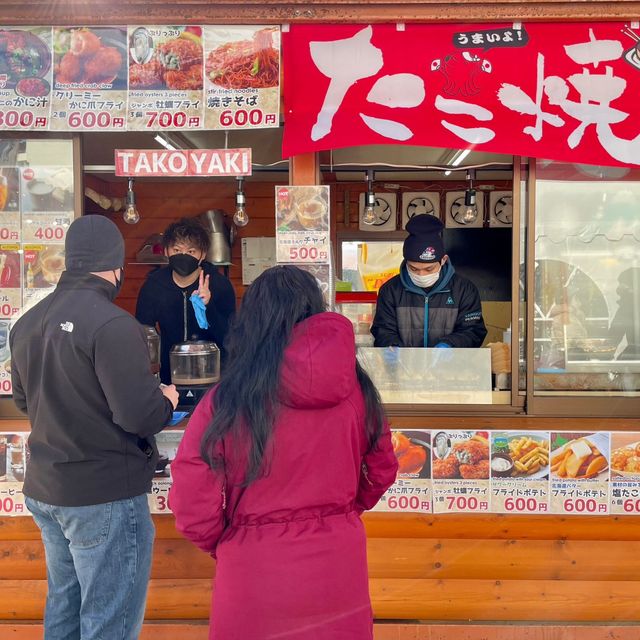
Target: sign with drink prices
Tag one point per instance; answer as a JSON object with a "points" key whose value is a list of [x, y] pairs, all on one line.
{"points": [[460, 471], [625, 473], [180, 163], [43, 265], [167, 442], [9, 204], [13, 461], [165, 78], [242, 77], [46, 227], [302, 224], [89, 79], [519, 472], [579, 464], [25, 78], [10, 280]]}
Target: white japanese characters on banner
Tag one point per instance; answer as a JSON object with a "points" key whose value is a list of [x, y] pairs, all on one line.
{"points": [[242, 77], [302, 224], [564, 91]]}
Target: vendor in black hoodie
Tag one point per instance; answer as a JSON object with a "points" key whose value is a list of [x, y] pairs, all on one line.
{"points": [[165, 300], [427, 304]]}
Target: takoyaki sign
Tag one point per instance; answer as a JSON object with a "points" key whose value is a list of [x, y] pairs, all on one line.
{"points": [[565, 91], [148, 163]]}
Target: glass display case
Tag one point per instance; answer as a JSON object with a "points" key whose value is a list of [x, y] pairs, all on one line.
{"points": [[430, 376], [586, 280]]}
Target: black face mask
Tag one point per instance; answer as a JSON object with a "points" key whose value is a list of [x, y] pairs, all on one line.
{"points": [[118, 285], [183, 264]]}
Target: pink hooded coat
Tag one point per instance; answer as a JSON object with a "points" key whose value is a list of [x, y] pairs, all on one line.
{"points": [[290, 547]]}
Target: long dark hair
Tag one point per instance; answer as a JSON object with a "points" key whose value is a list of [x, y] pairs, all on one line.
{"points": [[247, 396]]}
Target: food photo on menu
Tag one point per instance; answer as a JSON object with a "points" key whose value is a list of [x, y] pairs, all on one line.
{"points": [[302, 209], [25, 61], [90, 58], [579, 456], [520, 455], [413, 451], [172, 61], [47, 189], [43, 266], [9, 190], [625, 456], [464, 458], [244, 63]]}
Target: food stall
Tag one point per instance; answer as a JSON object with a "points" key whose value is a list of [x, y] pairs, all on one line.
{"points": [[516, 514]]}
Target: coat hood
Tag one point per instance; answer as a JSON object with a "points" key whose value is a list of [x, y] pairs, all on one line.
{"points": [[319, 365]]}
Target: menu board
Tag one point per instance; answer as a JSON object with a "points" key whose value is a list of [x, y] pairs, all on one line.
{"points": [[25, 78], [139, 78], [242, 77], [302, 224], [89, 79], [36, 209], [449, 471]]}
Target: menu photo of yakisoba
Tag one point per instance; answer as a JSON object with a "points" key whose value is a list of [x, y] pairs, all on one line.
{"points": [[466, 458], [579, 456], [520, 455]]}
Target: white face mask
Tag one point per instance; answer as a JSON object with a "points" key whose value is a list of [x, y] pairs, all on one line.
{"points": [[424, 282]]}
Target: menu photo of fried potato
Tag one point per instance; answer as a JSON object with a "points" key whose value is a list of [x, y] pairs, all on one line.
{"points": [[625, 456], [412, 449], [466, 457], [579, 456], [520, 455]]}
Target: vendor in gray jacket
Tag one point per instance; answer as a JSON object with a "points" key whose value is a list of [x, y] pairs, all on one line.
{"points": [[427, 304]]}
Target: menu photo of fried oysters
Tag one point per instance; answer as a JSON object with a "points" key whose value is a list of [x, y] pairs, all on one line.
{"points": [[412, 451], [461, 455]]}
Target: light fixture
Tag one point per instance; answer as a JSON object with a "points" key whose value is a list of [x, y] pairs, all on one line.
{"points": [[165, 142], [240, 217], [369, 214], [457, 158], [470, 213], [131, 215]]}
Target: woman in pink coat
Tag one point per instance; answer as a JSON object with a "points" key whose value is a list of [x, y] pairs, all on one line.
{"points": [[276, 466]]}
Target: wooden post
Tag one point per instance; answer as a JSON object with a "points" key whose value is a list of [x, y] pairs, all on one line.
{"points": [[304, 169]]}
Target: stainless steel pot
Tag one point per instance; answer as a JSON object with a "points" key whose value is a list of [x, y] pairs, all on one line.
{"points": [[194, 363]]}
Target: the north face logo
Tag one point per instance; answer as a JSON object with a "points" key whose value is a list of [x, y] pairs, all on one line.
{"points": [[450, 300], [67, 326], [428, 254]]}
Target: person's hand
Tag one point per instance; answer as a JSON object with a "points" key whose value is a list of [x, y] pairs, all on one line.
{"points": [[442, 345], [203, 288], [170, 392]]}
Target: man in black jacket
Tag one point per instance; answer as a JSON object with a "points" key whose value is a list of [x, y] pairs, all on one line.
{"points": [[427, 304], [168, 297], [81, 372]]}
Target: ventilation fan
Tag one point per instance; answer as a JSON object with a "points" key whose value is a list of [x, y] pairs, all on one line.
{"points": [[415, 203], [385, 212], [500, 209], [456, 209]]}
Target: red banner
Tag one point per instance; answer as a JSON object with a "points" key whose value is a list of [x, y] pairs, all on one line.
{"points": [[558, 91], [190, 162]]}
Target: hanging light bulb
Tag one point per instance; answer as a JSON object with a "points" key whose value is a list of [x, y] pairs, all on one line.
{"points": [[131, 215], [369, 213], [470, 212], [240, 217]]}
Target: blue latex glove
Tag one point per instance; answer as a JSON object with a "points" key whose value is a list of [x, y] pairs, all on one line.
{"points": [[442, 345], [200, 309], [390, 355], [177, 418]]}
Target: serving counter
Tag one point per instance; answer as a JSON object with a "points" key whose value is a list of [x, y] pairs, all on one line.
{"points": [[436, 577]]}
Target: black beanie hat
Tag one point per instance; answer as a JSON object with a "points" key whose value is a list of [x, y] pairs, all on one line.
{"points": [[424, 243], [93, 243]]}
